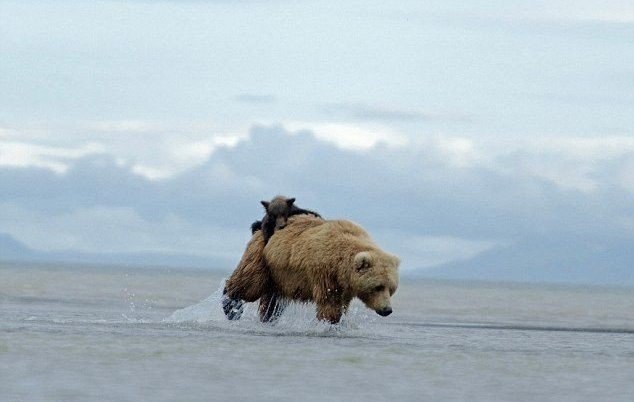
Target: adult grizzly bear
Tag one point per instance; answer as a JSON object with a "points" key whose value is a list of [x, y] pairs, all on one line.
{"points": [[326, 261]]}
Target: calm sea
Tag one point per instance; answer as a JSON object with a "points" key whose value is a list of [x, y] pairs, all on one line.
{"points": [[72, 333]]}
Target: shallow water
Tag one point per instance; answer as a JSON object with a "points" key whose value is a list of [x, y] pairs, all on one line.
{"points": [[72, 333]]}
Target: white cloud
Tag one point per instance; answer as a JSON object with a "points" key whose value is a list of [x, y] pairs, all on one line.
{"points": [[180, 155], [125, 126], [151, 173], [608, 11], [612, 11], [351, 136], [571, 163], [153, 150], [458, 152], [24, 155], [158, 150]]}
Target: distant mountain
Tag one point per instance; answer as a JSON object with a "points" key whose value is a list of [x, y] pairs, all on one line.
{"points": [[13, 250], [532, 260], [573, 261]]}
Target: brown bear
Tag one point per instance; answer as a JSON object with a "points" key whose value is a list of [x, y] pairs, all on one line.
{"points": [[326, 261]]}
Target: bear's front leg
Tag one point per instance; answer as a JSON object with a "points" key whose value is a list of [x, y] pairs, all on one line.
{"points": [[328, 297], [329, 312]]}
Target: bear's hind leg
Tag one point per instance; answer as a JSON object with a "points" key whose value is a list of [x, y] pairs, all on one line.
{"points": [[248, 282], [232, 308]]}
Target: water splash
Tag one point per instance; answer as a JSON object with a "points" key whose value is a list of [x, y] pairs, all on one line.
{"points": [[203, 311], [297, 319]]}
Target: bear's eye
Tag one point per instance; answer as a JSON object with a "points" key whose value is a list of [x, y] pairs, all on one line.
{"points": [[379, 288]]}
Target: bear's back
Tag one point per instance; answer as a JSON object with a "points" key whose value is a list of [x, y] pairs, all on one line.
{"points": [[308, 243]]}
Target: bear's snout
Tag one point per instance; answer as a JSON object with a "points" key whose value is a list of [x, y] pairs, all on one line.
{"points": [[385, 311]]}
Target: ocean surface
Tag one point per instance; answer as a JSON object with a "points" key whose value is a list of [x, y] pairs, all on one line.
{"points": [[74, 333]]}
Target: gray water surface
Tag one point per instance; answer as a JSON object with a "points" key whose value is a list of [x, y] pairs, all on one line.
{"points": [[70, 333]]}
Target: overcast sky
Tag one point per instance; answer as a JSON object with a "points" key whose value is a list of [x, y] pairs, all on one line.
{"points": [[445, 129]]}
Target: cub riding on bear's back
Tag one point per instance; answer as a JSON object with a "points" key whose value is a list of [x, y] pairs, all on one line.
{"points": [[278, 210], [308, 258]]}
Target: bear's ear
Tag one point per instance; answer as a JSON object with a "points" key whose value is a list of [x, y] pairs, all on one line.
{"points": [[290, 201], [395, 260], [362, 261], [265, 204]]}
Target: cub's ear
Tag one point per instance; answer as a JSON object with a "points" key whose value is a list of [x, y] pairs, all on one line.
{"points": [[290, 201], [362, 261], [265, 204]]}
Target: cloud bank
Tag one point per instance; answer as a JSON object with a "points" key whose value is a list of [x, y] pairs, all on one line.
{"points": [[432, 199]]}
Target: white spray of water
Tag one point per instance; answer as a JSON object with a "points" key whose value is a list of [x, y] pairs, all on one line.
{"points": [[297, 318]]}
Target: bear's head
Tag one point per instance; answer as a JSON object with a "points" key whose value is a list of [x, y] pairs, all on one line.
{"points": [[375, 279]]}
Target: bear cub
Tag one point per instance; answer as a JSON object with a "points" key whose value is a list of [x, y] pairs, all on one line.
{"points": [[278, 210]]}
